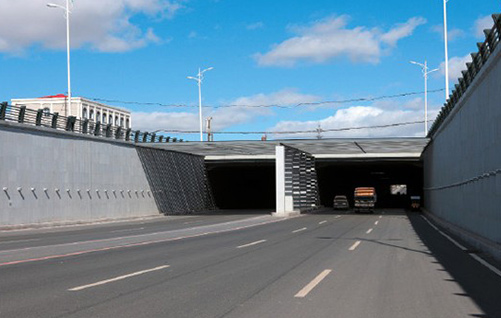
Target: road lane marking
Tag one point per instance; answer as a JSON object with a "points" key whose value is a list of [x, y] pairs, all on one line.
{"points": [[300, 230], [107, 281], [380, 216], [308, 288], [127, 230], [369, 231], [376, 223], [354, 246], [338, 216], [464, 249], [18, 241], [322, 222], [250, 244]]}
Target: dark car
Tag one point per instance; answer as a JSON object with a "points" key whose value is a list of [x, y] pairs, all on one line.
{"points": [[341, 202]]}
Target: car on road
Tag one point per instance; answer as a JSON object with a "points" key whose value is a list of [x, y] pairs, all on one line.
{"points": [[341, 202]]}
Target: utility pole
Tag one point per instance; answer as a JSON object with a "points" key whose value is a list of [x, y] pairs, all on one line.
{"points": [[424, 68], [199, 78], [210, 136]]}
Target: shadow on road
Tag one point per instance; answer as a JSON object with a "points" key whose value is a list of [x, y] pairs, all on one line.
{"points": [[479, 283]]}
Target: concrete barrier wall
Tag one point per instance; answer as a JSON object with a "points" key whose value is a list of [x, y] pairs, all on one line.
{"points": [[462, 163], [73, 177]]}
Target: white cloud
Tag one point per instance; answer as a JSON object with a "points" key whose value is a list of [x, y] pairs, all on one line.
{"points": [[481, 24], [330, 38], [452, 34], [456, 65], [255, 26], [363, 116], [103, 25]]}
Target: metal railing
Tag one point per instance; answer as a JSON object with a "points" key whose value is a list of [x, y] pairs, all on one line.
{"points": [[485, 50], [42, 118]]}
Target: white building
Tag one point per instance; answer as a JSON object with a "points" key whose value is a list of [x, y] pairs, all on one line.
{"points": [[81, 108]]}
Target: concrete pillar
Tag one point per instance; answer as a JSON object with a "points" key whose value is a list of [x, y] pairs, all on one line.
{"points": [[284, 201]]}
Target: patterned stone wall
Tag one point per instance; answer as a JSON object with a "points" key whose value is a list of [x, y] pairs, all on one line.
{"points": [[178, 181], [301, 179]]}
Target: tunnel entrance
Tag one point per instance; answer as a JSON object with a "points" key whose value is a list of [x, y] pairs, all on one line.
{"points": [[341, 178], [243, 185]]}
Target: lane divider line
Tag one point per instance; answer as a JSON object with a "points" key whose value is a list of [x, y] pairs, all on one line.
{"points": [[369, 231], [322, 222], [376, 223], [107, 281], [380, 216], [127, 230], [337, 216], [300, 230], [355, 245], [19, 241], [251, 244], [308, 288], [464, 249]]}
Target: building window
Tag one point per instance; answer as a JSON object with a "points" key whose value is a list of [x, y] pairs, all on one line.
{"points": [[91, 114], [116, 120], [98, 116], [121, 122], [46, 111], [84, 113], [110, 119], [127, 123], [104, 118]]}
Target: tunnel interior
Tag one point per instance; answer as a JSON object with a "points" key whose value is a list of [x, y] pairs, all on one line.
{"points": [[342, 178], [244, 186]]}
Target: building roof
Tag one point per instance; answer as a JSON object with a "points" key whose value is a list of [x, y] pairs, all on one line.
{"points": [[55, 96], [328, 149]]}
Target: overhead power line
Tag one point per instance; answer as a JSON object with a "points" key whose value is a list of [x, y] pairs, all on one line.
{"points": [[288, 106], [311, 131]]}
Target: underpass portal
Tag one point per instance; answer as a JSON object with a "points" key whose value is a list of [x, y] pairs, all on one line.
{"points": [[405, 179]]}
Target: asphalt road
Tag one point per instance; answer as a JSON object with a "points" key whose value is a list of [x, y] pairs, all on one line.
{"points": [[322, 265]]}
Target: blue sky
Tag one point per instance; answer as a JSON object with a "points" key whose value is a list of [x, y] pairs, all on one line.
{"points": [[263, 53]]}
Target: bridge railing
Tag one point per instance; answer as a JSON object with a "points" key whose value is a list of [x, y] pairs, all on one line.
{"points": [[43, 118], [479, 59]]}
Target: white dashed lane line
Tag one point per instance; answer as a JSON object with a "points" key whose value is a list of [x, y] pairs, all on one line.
{"points": [[322, 222], [308, 288], [300, 230], [111, 280], [355, 245], [368, 231], [251, 244]]}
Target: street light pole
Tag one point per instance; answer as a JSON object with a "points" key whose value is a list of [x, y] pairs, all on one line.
{"points": [[199, 78], [446, 52], [67, 15], [424, 68]]}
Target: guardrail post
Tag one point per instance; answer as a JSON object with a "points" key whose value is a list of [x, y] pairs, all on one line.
{"points": [[161, 138], [38, 120], [136, 136], [145, 136], [153, 136], [489, 39], [167, 139], [118, 133], [55, 117], [127, 134], [3, 110], [21, 115], [70, 123], [97, 129], [108, 131], [85, 126], [174, 139]]}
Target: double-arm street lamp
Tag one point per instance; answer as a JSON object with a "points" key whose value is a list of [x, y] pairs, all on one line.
{"points": [[424, 68], [199, 78], [446, 53], [67, 15]]}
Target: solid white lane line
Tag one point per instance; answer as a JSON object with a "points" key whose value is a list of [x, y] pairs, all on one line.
{"points": [[308, 288], [463, 248], [118, 278], [445, 235], [250, 244], [299, 230], [127, 230], [18, 241], [354, 246], [322, 222], [376, 223], [368, 231]]}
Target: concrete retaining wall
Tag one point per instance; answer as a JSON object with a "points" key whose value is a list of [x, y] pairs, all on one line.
{"points": [[462, 164], [73, 177]]}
